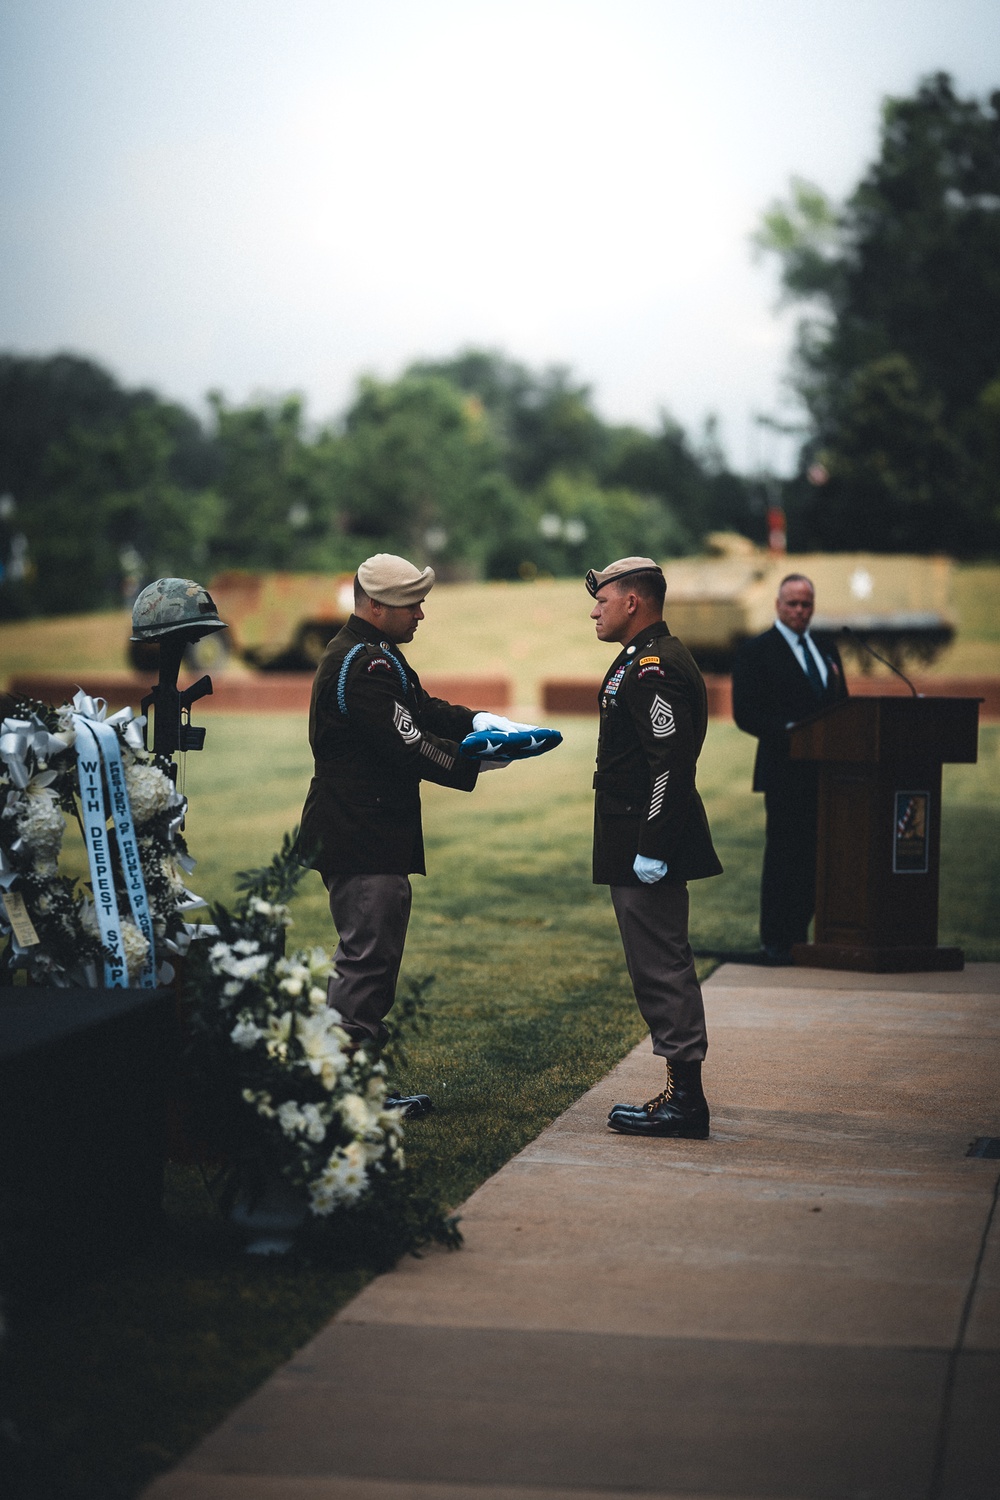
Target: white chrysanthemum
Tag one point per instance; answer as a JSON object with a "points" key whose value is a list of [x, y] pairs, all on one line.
{"points": [[246, 1033], [343, 1180], [149, 791], [304, 1119], [136, 948], [41, 825], [290, 1117], [174, 877]]}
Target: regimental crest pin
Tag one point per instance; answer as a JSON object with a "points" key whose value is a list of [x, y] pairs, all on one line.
{"points": [[661, 716], [404, 723]]}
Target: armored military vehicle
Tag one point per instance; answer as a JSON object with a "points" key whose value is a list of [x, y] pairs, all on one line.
{"points": [[277, 622], [900, 605]]}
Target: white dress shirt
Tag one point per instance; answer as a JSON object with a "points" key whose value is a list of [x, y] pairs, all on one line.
{"points": [[800, 644]]}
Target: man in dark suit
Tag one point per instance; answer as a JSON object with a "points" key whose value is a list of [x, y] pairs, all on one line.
{"points": [[779, 678]]}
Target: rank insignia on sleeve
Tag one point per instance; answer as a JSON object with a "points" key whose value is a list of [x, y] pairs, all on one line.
{"points": [[404, 723], [661, 717], [649, 661]]}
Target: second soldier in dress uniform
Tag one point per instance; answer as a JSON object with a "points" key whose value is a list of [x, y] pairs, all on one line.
{"points": [[651, 835], [375, 735]]}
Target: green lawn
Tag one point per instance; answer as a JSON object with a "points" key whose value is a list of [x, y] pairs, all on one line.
{"points": [[113, 1380]]}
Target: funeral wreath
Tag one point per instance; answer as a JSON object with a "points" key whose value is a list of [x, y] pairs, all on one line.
{"points": [[126, 925], [270, 1086]]}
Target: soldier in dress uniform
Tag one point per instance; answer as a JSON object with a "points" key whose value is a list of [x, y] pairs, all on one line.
{"points": [[375, 735], [651, 835]]}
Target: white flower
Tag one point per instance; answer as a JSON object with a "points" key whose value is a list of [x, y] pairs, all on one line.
{"points": [[321, 1039], [306, 1119], [135, 947], [246, 1033], [149, 791], [343, 1180], [276, 913], [290, 1117], [173, 877], [223, 960], [357, 1115], [278, 1033], [296, 976], [41, 825]]}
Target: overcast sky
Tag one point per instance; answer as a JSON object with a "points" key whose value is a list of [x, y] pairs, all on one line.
{"points": [[267, 195]]}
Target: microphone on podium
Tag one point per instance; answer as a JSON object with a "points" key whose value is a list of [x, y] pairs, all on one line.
{"points": [[860, 640]]}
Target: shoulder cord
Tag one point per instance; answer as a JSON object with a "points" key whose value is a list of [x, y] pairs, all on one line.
{"points": [[397, 664], [345, 668]]}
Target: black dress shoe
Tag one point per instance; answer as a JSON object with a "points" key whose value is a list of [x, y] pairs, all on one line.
{"points": [[680, 1110], [414, 1106]]}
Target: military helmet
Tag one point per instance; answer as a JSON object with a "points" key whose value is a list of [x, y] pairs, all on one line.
{"points": [[172, 605]]}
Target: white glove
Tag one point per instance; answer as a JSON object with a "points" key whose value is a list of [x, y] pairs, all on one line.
{"points": [[497, 721], [648, 870]]}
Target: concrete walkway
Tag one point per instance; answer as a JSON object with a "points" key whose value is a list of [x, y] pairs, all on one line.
{"points": [[804, 1307]]}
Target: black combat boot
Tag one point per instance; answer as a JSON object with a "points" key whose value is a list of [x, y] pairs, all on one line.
{"points": [[413, 1106], [680, 1110]]}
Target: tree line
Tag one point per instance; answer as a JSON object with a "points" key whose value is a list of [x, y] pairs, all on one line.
{"points": [[476, 464], [489, 469]]}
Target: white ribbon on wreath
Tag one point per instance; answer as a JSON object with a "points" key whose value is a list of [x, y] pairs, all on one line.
{"points": [[26, 747]]}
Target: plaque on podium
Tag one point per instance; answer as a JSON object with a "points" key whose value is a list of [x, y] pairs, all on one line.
{"points": [[879, 834]]}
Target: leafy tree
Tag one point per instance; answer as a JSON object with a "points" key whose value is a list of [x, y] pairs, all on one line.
{"points": [[111, 512], [104, 481], [419, 473], [540, 422], [277, 487], [570, 520], [904, 280]]}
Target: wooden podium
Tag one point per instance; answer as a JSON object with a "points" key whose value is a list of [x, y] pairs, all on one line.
{"points": [[880, 829]]}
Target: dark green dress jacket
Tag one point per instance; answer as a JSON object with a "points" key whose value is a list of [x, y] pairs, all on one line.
{"points": [[654, 715], [375, 735]]}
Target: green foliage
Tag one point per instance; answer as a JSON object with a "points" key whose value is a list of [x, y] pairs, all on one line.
{"points": [[462, 463], [897, 365], [277, 487], [419, 471]]}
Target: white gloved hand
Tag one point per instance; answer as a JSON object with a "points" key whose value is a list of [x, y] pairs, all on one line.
{"points": [[497, 721], [649, 870]]}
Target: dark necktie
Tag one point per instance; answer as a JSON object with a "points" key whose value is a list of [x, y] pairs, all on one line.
{"points": [[812, 670]]}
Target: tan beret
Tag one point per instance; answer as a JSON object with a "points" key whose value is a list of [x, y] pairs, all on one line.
{"points": [[623, 568], [394, 581]]}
